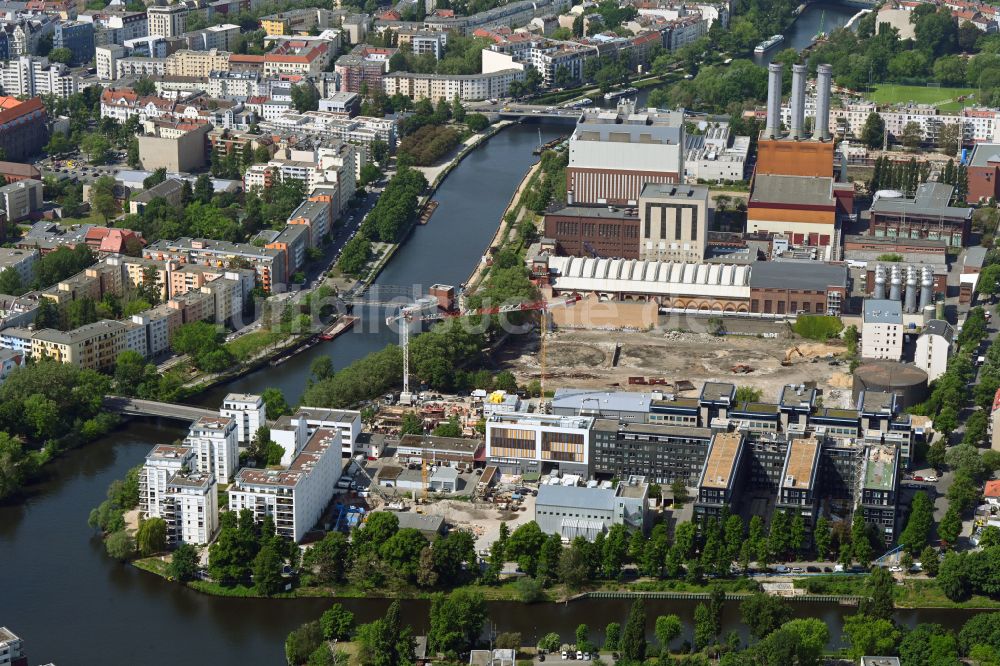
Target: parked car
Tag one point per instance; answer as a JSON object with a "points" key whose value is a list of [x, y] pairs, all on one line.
{"points": [[931, 479], [579, 655], [812, 569], [564, 654], [541, 656], [827, 570], [918, 478], [797, 570], [896, 569]]}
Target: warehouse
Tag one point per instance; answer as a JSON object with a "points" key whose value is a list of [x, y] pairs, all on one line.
{"points": [[572, 511], [449, 451]]}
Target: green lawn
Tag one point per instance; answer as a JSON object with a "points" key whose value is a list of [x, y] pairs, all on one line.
{"points": [[890, 93], [245, 346]]}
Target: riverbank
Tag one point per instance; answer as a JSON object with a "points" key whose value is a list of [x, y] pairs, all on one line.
{"points": [[912, 595]]}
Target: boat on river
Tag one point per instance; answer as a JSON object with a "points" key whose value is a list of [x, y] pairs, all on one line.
{"points": [[769, 44], [618, 94], [336, 328]]}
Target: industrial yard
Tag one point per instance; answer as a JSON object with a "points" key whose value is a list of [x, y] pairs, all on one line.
{"points": [[585, 359]]}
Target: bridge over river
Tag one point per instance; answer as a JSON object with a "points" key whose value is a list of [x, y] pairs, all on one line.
{"points": [[167, 410]]}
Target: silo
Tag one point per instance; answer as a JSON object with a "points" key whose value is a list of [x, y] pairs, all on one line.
{"points": [[879, 282], [911, 289], [926, 287], [896, 285], [939, 309]]}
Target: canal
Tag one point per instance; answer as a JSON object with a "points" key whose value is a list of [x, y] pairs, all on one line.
{"points": [[472, 199], [74, 606]]}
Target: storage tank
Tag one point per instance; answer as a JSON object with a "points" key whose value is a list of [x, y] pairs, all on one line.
{"points": [[908, 382], [896, 285], [911, 289], [926, 287], [939, 309], [879, 282]]}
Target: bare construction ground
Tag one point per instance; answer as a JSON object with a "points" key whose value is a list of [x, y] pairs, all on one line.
{"points": [[583, 359], [482, 519]]}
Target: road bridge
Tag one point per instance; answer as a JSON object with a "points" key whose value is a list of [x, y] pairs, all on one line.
{"points": [[168, 410]]}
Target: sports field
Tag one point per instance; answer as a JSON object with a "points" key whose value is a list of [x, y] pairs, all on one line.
{"points": [[890, 93]]}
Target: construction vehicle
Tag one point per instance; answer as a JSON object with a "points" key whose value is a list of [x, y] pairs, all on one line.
{"points": [[419, 312], [791, 352]]}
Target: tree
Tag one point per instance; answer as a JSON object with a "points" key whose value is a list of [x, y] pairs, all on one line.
{"points": [[822, 538], [96, 146], [667, 629], [456, 620], [918, 526], [953, 578], [582, 636], [948, 138], [267, 578], [870, 636], [305, 97], [510, 640], [929, 644], [275, 403], [102, 197], [449, 428], [873, 132], [951, 525], [929, 561], [748, 394], [549, 642], [612, 636], [763, 614], [183, 563], [633, 643], [861, 546], [879, 588], [704, 627], [10, 282], [912, 135], [151, 537], [337, 623], [524, 546], [679, 491], [120, 545], [302, 642], [936, 452]]}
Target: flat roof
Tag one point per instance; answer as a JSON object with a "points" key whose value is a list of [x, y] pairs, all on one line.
{"points": [[877, 401], [931, 200], [717, 392], [805, 274], [674, 191], [880, 467], [596, 211], [576, 497], [419, 521], [800, 464], [620, 401], [883, 311], [721, 462], [797, 395], [801, 190], [667, 430], [191, 480], [984, 153], [433, 442]]}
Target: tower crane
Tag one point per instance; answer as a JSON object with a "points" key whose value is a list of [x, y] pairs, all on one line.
{"points": [[419, 312]]}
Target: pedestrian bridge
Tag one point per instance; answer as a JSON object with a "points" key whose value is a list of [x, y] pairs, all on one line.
{"points": [[167, 410]]}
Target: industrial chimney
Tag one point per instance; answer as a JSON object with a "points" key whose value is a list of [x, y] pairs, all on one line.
{"points": [[824, 81], [895, 285], [926, 287], [773, 128], [798, 101], [879, 282], [911, 289]]}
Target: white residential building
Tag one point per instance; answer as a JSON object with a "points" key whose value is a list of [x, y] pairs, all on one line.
{"points": [[294, 497], [934, 347], [882, 329], [186, 500], [249, 412], [11, 648], [216, 447], [106, 58], [28, 76], [467, 87]]}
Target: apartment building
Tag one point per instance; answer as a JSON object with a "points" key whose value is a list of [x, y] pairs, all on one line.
{"points": [[798, 488], [21, 261], [934, 348], [882, 329], [267, 263], [27, 76], [249, 412], [11, 649], [466, 87], [116, 28], [186, 500], [19, 200], [197, 63], [216, 446], [360, 130], [663, 453], [78, 37], [159, 324], [106, 61], [363, 66], [297, 57], [296, 496], [221, 37], [293, 431], [167, 20], [93, 346]]}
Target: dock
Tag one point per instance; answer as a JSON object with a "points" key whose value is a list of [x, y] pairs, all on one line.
{"points": [[425, 214], [342, 324], [549, 146]]}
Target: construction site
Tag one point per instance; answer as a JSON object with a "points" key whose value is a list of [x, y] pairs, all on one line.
{"points": [[631, 360]]}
